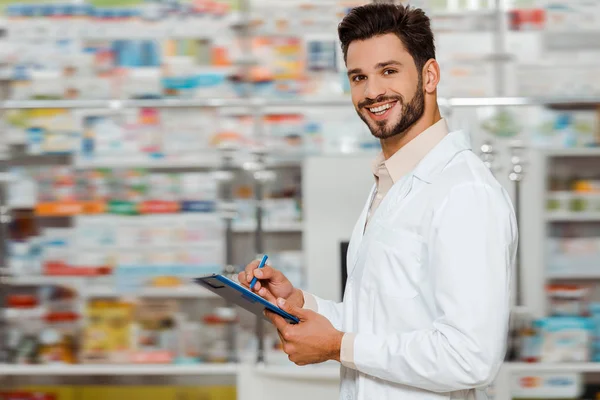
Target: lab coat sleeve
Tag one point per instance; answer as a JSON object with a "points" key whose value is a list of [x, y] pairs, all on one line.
{"points": [[329, 309], [471, 252]]}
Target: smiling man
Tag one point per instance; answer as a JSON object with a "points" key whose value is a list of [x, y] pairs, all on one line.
{"points": [[427, 300]]}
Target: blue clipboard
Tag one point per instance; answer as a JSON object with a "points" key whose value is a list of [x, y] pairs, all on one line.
{"points": [[238, 294]]}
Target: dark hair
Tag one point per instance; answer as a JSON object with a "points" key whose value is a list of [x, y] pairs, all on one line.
{"points": [[411, 25]]}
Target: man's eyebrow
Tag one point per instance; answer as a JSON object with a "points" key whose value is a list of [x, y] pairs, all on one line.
{"points": [[387, 64], [354, 71], [377, 66]]}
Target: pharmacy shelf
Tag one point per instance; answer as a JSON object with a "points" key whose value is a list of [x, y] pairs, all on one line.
{"points": [[463, 13], [43, 280], [207, 160], [292, 372], [554, 367], [113, 370], [573, 216], [335, 100], [250, 227], [88, 288], [573, 152], [14, 314], [558, 102], [573, 276], [182, 292], [116, 104]]}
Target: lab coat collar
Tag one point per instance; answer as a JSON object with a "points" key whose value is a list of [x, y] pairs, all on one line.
{"points": [[435, 161]]}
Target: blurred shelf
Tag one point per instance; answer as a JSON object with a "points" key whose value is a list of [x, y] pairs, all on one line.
{"points": [[45, 280], [555, 367], [50, 104], [182, 292], [204, 161], [555, 102], [573, 216], [307, 101], [113, 369], [115, 104], [88, 288], [573, 276], [463, 13], [21, 159], [23, 314], [293, 372], [250, 227], [208, 160], [150, 246], [573, 152]]}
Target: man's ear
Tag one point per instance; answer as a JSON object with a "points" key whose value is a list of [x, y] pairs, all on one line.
{"points": [[431, 76]]}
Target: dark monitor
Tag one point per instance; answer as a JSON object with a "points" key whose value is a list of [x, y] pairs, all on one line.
{"points": [[344, 269]]}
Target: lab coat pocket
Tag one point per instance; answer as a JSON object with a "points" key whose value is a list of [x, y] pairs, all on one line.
{"points": [[395, 257]]}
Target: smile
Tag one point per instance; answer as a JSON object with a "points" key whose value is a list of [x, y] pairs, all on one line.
{"points": [[382, 109]]}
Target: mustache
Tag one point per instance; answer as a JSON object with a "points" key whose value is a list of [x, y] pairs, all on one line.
{"points": [[380, 99]]}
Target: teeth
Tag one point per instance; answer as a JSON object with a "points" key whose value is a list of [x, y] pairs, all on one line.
{"points": [[381, 108]]}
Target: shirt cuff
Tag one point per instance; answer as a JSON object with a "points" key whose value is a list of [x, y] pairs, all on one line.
{"points": [[310, 303], [347, 351]]}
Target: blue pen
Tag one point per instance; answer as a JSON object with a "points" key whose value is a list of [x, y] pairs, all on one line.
{"points": [[262, 264]]}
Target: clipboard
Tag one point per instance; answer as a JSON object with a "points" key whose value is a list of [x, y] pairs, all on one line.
{"points": [[238, 294]]}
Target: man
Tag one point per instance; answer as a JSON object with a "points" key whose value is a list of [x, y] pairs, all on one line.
{"points": [[427, 301]]}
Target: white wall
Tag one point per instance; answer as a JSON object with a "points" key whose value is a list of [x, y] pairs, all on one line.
{"points": [[335, 190]]}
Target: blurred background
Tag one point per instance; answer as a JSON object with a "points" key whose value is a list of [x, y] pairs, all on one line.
{"points": [[147, 142]]}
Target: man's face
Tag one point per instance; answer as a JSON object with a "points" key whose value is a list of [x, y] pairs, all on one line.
{"points": [[387, 90]]}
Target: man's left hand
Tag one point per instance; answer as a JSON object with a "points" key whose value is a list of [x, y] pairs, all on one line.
{"points": [[313, 340]]}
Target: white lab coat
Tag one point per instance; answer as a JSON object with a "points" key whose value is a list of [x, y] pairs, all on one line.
{"points": [[428, 287]]}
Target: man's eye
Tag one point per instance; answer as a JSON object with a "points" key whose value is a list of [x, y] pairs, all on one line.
{"points": [[358, 78], [389, 71]]}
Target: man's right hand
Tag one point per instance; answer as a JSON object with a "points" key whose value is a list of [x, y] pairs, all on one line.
{"points": [[271, 284]]}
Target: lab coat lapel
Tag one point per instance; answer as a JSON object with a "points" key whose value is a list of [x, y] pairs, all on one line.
{"points": [[360, 236], [428, 168], [358, 233], [399, 191]]}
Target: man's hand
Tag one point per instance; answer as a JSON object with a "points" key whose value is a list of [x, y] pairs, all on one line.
{"points": [[314, 340], [271, 284]]}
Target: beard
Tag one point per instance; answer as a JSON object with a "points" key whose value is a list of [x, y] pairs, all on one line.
{"points": [[410, 114]]}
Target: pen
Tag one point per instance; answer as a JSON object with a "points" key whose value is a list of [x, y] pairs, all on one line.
{"points": [[262, 264]]}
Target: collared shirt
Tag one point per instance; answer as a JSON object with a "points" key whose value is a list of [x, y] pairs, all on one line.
{"points": [[388, 172]]}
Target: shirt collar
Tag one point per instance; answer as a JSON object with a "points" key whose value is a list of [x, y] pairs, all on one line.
{"points": [[409, 156]]}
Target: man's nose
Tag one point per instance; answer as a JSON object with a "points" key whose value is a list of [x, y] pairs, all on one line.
{"points": [[374, 88]]}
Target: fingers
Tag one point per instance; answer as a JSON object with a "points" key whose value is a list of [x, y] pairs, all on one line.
{"points": [[279, 322], [246, 276], [267, 295], [252, 270], [292, 309], [266, 273], [242, 279]]}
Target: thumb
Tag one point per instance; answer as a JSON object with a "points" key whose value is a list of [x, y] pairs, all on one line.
{"points": [[291, 309]]}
